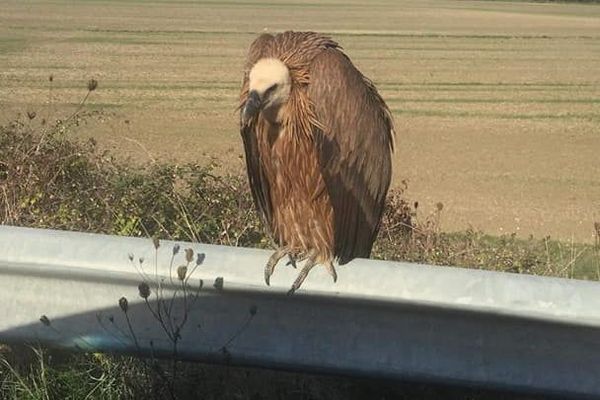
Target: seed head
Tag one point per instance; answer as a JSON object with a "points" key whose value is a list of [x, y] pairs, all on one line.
{"points": [[92, 85], [175, 249], [144, 290], [155, 242], [124, 304], [200, 258], [31, 114], [51, 78], [189, 255], [181, 272], [439, 206], [218, 283]]}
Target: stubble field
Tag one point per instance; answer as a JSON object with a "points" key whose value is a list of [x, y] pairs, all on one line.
{"points": [[497, 104]]}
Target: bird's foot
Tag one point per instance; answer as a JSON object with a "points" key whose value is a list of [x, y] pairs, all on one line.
{"points": [[310, 263], [273, 260]]}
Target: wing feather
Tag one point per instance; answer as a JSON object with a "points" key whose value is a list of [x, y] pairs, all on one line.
{"points": [[354, 146], [259, 185]]}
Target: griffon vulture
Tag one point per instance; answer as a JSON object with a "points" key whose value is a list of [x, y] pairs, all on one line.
{"points": [[318, 140]]}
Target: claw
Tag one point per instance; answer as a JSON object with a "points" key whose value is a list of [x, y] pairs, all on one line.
{"points": [[273, 260], [292, 261], [304, 272], [331, 270], [295, 259]]}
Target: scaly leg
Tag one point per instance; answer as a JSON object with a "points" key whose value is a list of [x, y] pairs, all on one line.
{"points": [[273, 260], [310, 263]]}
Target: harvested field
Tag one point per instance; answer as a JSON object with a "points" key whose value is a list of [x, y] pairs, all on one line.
{"points": [[497, 104]]}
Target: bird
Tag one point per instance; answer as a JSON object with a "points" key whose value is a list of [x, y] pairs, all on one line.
{"points": [[318, 141]]}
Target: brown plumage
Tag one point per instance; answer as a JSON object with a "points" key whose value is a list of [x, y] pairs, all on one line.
{"points": [[318, 140]]}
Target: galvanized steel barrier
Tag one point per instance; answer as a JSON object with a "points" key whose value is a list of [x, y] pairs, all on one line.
{"points": [[381, 319]]}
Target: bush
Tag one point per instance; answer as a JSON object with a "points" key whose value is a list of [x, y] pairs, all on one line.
{"points": [[49, 181]]}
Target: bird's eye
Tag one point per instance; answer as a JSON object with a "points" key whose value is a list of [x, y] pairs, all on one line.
{"points": [[271, 89]]}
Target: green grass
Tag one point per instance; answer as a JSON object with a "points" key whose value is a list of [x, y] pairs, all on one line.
{"points": [[426, 243]]}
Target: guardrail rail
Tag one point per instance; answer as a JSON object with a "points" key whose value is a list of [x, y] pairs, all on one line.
{"points": [[381, 319]]}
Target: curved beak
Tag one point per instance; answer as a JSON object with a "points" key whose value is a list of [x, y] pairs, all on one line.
{"points": [[251, 107]]}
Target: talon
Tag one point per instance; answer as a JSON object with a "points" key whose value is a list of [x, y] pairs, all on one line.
{"points": [[273, 260], [297, 283], [304, 271], [292, 261], [268, 272], [332, 272]]}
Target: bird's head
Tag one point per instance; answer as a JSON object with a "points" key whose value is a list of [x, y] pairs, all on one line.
{"points": [[269, 87]]}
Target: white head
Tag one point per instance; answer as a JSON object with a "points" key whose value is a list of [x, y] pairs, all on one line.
{"points": [[269, 87]]}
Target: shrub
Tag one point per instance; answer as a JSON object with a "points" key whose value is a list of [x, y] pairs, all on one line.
{"points": [[50, 181]]}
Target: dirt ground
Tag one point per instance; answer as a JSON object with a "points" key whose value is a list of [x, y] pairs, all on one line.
{"points": [[497, 104]]}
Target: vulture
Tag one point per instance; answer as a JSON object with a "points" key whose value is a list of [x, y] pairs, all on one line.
{"points": [[318, 140]]}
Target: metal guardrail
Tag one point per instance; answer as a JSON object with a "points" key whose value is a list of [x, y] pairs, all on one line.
{"points": [[383, 319]]}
